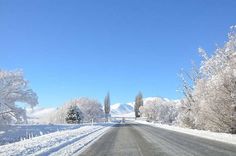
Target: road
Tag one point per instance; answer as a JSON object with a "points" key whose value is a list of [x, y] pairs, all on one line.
{"points": [[142, 140]]}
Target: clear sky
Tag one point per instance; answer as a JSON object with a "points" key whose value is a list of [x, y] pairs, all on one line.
{"points": [[73, 48]]}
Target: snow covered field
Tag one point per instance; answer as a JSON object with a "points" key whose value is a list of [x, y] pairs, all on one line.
{"points": [[62, 142], [223, 137], [14, 133]]}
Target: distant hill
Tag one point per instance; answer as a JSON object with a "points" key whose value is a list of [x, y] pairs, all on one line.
{"points": [[39, 115]]}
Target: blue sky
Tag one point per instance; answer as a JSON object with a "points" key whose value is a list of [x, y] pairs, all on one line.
{"points": [[75, 48]]}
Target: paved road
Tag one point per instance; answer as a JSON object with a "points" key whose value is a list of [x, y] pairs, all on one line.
{"points": [[143, 140]]}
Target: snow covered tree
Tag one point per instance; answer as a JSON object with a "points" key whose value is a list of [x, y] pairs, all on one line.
{"points": [[138, 104], [14, 88], [160, 110], [107, 104], [74, 115], [91, 110], [209, 98]]}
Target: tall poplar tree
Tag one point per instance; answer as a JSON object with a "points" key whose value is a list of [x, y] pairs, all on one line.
{"points": [[138, 103]]}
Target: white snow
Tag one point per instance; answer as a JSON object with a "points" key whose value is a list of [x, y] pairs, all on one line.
{"points": [[222, 137], [67, 142], [131, 104], [115, 106], [128, 115]]}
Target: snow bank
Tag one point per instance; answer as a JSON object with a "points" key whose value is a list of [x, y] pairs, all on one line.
{"points": [[222, 137], [68, 142]]}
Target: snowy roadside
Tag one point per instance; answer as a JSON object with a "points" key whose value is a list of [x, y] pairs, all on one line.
{"points": [[68, 142], [222, 137]]}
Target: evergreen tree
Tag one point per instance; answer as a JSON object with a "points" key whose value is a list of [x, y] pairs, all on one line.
{"points": [[107, 104], [74, 115], [138, 104]]}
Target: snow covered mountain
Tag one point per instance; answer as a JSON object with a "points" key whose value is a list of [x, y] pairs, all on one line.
{"points": [[118, 109]]}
